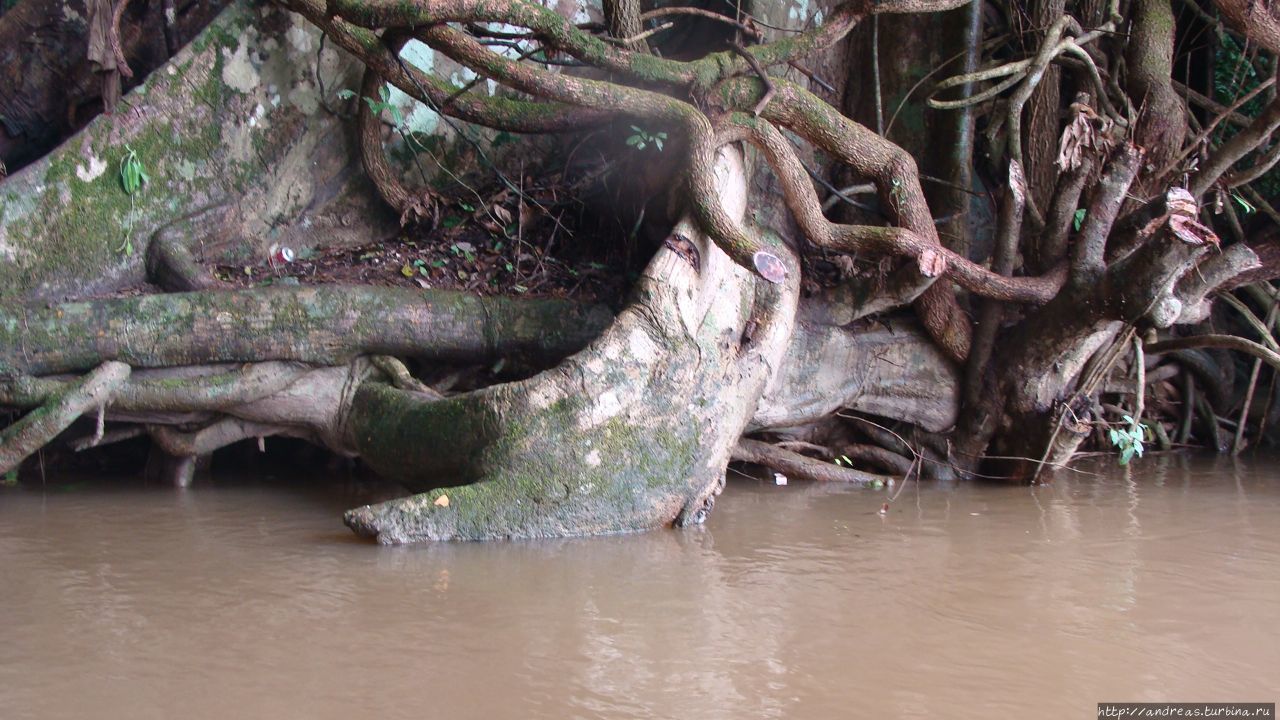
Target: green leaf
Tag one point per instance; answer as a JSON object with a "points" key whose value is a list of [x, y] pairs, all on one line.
{"points": [[396, 117], [408, 270], [467, 206], [1126, 456], [384, 92], [1078, 219], [658, 142], [346, 94], [451, 222], [634, 140], [1115, 436], [132, 174], [1244, 204]]}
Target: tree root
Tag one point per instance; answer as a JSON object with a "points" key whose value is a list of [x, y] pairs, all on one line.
{"points": [[319, 325], [793, 464], [399, 376], [192, 389], [632, 433], [170, 262], [213, 437], [883, 458], [37, 428]]}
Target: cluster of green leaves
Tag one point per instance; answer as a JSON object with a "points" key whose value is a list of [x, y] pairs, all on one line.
{"points": [[1129, 439], [1235, 73], [377, 106], [641, 138], [132, 177]]}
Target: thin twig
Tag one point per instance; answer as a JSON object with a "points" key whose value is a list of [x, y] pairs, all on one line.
{"points": [[628, 42], [699, 12], [1237, 443], [875, 73], [769, 89]]}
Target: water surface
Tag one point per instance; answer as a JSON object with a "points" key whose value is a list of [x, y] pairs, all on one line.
{"points": [[247, 598]]}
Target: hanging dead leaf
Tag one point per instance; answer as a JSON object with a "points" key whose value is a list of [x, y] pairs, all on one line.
{"points": [[1088, 132], [501, 214], [442, 501], [1076, 138]]}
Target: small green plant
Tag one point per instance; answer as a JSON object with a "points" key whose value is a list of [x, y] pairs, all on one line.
{"points": [[417, 267], [643, 138], [844, 461], [464, 251], [132, 177], [1129, 439], [377, 106], [1078, 219], [1245, 205], [10, 478]]}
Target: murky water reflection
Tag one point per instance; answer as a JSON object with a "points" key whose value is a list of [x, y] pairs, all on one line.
{"points": [[249, 599]]}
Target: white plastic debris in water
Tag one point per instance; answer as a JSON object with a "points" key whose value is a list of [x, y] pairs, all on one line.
{"points": [[779, 479]]}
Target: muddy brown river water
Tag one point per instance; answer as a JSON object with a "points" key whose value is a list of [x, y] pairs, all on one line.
{"points": [[243, 598]]}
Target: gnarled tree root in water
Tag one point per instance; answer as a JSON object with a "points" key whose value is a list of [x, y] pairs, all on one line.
{"points": [[37, 428], [632, 433]]}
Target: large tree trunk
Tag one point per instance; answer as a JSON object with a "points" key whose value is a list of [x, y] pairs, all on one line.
{"points": [[233, 132]]}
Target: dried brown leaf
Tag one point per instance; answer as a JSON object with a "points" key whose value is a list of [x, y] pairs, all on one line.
{"points": [[1191, 231]]}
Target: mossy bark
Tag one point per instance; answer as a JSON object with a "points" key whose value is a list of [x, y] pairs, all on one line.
{"points": [[632, 433], [329, 325], [235, 119]]}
